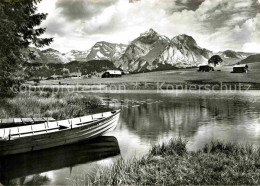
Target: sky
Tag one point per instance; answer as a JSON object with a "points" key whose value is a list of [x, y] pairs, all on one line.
{"points": [[217, 25]]}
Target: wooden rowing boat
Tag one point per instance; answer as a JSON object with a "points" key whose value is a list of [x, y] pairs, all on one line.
{"points": [[34, 137], [37, 162]]}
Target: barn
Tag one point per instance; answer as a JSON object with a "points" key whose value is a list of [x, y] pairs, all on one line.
{"points": [[205, 68], [74, 75], [240, 69], [111, 74]]}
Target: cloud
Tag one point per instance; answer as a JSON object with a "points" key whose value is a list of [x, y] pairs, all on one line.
{"points": [[215, 24], [251, 30], [125, 17], [251, 47], [178, 5], [82, 9], [217, 15]]}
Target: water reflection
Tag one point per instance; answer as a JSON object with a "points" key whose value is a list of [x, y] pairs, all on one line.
{"points": [[22, 165], [198, 118]]}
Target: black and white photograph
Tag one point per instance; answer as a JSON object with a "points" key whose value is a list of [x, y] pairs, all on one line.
{"points": [[129, 92]]}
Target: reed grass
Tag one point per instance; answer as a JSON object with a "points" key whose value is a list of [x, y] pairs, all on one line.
{"points": [[48, 104], [172, 164]]}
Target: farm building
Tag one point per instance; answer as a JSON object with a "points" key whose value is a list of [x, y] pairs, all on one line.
{"points": [[54, 76], [205, 68], [112, 73], [75, 74], [240, 69]]}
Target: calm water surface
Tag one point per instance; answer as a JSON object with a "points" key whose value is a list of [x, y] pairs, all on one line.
{"points": [[147, 118]]}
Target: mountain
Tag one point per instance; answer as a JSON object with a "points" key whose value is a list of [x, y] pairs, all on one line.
{"points": [[54, 56], [38, 55], [100, 51], [76, 55], [142, 51], [151, 51], [105, 51], [232, 57], [251, 59], [184, 51]]}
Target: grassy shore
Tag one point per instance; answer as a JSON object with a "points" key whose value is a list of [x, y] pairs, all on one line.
{"points": [[171, 164], [48, 104]]}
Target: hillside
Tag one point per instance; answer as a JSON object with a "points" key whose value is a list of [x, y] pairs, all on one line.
{"points": [[232, 57], [251, 59]]}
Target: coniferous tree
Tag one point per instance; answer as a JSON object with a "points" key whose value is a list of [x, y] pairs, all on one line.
{"points": [[18, 19]]}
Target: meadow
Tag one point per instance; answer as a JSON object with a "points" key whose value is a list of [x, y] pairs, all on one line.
{"points": [[221, 74], [171, 164]]}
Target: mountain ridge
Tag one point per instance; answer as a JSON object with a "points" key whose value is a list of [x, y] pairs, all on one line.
{"points": [[149, 51]]}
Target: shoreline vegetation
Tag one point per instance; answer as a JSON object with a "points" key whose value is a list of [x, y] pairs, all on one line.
{"points": [[48, 104], [172, 164], [160, 86]]}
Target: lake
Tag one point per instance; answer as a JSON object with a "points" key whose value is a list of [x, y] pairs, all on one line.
{"points": [[147, 118]]}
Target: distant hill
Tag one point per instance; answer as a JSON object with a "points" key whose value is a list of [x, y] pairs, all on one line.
{"points": [[47, 70], [251, 59], [231, 57]]}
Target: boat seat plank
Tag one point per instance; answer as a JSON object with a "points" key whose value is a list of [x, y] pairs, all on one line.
{"points": [[86, 119], [38, 120], [27, 120], [7, 120], [50, 119], [18, 120]]}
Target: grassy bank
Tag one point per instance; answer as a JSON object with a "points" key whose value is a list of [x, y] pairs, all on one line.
{"points": [[171, 164], [47, 104]]}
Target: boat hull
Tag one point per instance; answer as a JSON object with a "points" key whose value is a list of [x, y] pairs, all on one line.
{"points": [[59, 138]]}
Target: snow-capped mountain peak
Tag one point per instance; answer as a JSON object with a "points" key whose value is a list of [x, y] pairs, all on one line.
{"points": [[106, 51], [185, 40], [150, 51], [149, 33]]}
